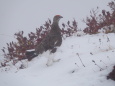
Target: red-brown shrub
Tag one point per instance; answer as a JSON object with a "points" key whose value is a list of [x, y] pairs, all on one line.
{"points": [[94, 22], [18, 49]]}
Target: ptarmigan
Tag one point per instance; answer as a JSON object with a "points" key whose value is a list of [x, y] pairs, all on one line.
{"points": [[51, 41]]}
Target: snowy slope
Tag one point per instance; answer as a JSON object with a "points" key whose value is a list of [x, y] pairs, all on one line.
{"points": [[69, 71], [26, 15]]}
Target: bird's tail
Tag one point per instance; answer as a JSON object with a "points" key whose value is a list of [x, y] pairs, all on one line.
{"points": [[30, 55]]}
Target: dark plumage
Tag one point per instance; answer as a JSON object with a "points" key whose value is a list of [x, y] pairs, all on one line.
{"points": [[52, 40]]}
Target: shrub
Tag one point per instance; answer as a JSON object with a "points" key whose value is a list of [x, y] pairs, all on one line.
{"points": [[18, 49], [106, 18]]}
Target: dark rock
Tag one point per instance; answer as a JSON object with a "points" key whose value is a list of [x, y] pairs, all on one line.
{"points": [[112, 74]]}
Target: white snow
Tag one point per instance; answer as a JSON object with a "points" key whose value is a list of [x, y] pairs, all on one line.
{"points": [[26, 15], [69, 71], [31, 50]]}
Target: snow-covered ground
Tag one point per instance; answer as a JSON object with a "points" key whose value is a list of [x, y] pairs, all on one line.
{"points": [[27, 15], [69, 71]]}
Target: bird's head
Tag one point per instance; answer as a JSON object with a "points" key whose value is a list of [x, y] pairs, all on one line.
{"points": [[57, 18]]}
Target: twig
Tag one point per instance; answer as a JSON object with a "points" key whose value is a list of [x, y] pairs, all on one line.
{"points": [[80, 59], [76, 64], [100, 41], [108, 40], [97, 65], [103, 62]]}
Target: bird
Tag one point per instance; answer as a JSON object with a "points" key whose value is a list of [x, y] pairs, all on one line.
{"points": [[51, 41]]}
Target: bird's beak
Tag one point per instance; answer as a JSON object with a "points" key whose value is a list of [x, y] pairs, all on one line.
{"points": [[61, 17]]}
